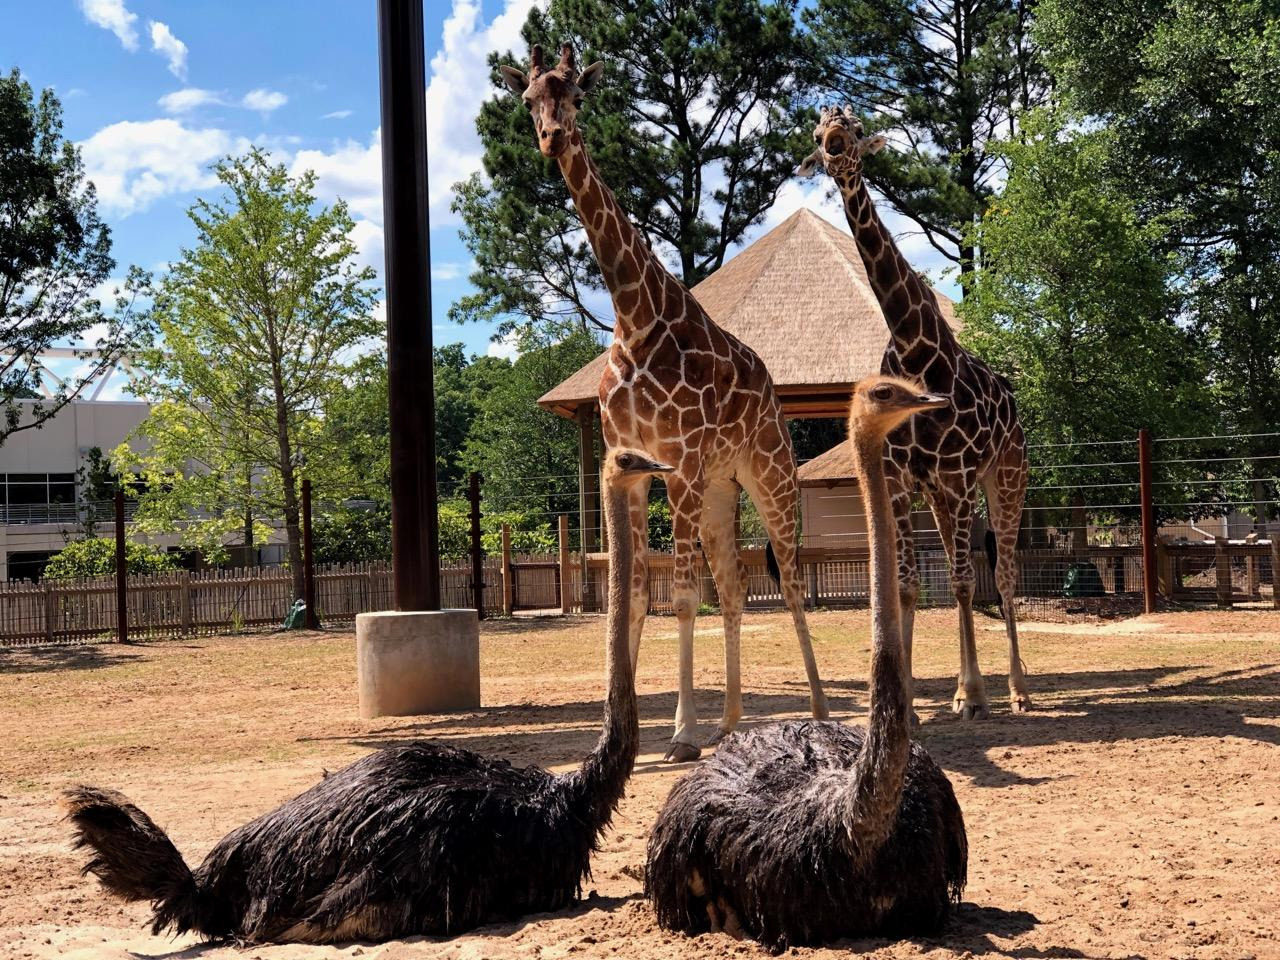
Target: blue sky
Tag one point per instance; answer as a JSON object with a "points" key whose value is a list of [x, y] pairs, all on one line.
{"points": [[154, 91]]}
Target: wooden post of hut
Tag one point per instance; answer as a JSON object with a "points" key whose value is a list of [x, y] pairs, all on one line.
{"points": [[1275, 565], [508, 573], [1222, 564], [566, 602]]}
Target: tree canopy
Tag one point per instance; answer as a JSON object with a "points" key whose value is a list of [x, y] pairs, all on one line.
{"points": [[272, 291], [698, 122], [55, 252]]}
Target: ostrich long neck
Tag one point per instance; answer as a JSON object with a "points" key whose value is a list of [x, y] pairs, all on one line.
{"points": [[600, 780], [634, 277], [878, 775], [897, 286]]}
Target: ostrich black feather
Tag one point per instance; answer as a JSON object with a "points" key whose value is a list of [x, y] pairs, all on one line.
{"points": [[749, 839], [419, 839]]}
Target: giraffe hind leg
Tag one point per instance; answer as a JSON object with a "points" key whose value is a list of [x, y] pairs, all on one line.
{"points": [[719, 541], [1005, 492]]}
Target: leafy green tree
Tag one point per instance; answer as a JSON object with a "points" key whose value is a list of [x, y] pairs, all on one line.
{"points": [[251, 333], [944, 79], [97, 558], [350, 534], [54, 253], [527, 456], [1075, 304], [1189, 90], [696, 125]]}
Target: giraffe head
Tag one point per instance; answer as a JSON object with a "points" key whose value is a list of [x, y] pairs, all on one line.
{"points": [[841, 144], [553, 95], [881, 403]]}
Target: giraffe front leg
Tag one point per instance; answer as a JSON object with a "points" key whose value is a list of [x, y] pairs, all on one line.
{"points": [[954, 515], [685, 508], [719, 542], [901, 494]]}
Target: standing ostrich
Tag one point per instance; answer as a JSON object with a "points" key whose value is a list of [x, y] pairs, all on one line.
{"points": [[421, 839], [807, 831]]}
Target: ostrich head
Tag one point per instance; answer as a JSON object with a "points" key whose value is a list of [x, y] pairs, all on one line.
{"points": [[841, 144], [881, 403], [553, 95], [624, 467]]}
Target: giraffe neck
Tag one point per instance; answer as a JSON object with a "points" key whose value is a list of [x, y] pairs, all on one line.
{"points": [[896, 285], [872, 805], [635, 278]]}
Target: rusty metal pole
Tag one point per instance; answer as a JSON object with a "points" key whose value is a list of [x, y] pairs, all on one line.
{"points": [[122, 574], [477, 548], [415, 545], [311, 619], [1150, 590]]}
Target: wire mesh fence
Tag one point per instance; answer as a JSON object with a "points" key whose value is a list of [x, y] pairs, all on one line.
{"points": [[1083, 549]]}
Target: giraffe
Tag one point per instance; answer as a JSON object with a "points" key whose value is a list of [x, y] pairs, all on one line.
{"points": [[684, 390], [946, 454]]}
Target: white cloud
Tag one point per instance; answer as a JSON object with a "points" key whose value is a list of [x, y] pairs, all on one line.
{"points": [[337, 115], [457, 86], [188, 99], [451, 269], [114, 16], [507, 348], [170, 47], [264, 101], [133, 164]]}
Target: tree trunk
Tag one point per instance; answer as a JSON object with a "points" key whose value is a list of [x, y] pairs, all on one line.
{"points": [[289, 482]]}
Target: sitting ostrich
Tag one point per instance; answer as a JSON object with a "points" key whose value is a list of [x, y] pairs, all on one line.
{"points": [[420, 839], [807, 831]]}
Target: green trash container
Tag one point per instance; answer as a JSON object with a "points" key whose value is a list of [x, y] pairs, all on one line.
{"points": [[1083, 580], [296, 618]]}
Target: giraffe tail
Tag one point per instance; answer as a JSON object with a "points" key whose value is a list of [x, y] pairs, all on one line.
{"points": [[989, 541], [771, 563]]}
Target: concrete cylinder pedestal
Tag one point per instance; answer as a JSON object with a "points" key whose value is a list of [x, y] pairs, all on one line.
{"points": [[409, 663]]}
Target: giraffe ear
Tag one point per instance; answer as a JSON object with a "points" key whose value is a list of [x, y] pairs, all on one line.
{"points": [[810, 164], [590, 76], [516, 80], [870, 145]]}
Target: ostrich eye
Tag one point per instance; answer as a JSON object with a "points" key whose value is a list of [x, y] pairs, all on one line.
{"points": [[883, 393], [624, 461]]}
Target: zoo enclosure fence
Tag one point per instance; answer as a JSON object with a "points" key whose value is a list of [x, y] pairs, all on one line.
{"points": [[1091, 555]]}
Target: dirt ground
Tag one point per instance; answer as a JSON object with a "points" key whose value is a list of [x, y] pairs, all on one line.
{"points": [[1135, 813]]}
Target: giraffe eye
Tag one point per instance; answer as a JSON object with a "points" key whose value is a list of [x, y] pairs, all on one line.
{"points": [[577, 101]]}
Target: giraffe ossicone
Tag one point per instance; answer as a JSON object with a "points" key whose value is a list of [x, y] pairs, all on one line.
{"points": [[694, 396]]}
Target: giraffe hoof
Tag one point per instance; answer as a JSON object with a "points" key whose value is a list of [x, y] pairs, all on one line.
{"points": [[972, 711], [1021, 703], [681, 753], [716, 737]]}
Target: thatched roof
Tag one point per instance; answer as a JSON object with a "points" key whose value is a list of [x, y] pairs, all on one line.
{"points": [[799, 297], [829, 468]]}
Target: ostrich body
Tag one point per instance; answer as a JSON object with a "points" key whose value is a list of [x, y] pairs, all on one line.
{"points": [[420, 839], [808, 831]]}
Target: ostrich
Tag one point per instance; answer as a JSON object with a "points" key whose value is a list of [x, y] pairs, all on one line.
{"points": [[807, 831], [420, 839]]}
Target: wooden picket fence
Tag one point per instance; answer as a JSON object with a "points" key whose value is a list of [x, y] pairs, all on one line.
{"points": [[212, 601]]}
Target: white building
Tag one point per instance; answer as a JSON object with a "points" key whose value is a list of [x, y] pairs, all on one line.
{"points": [[38, 483]]}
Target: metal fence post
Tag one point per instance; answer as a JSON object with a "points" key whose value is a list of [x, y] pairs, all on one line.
{"points": [[122, 574], [1149, 587], [1275, 565], [477, 548], [311, 618], [566, 603]]}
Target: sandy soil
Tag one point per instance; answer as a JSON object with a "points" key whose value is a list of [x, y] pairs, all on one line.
{"points": [[1136, 813]]}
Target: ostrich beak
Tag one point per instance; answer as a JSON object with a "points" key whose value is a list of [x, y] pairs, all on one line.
{"points": [[932, 401]]}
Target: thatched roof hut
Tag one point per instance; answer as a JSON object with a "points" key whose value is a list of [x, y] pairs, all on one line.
{"points": [[799, 297]]}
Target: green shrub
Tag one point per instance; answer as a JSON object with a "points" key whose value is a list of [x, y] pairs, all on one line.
{"points": [[97, 558]]}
